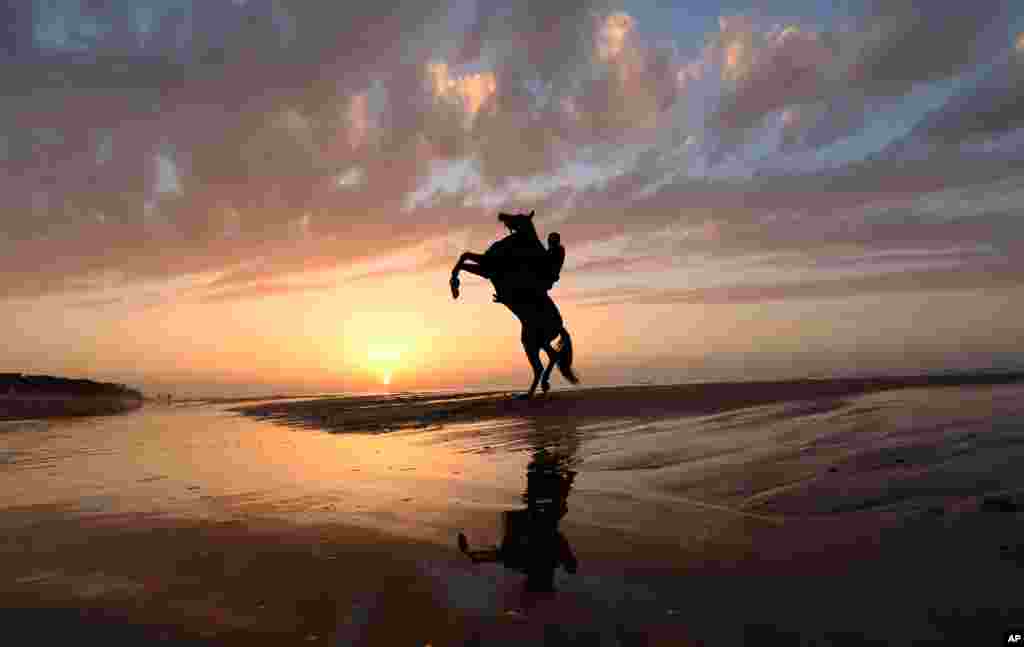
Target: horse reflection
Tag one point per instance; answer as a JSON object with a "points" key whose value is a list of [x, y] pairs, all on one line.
{"points": [[531, 542]]}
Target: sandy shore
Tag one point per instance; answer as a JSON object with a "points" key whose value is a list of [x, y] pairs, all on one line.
{"points": [[119, 581], [376, 413], [840, 513]]}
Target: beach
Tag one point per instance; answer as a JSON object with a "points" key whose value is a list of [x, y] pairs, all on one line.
{"points": [[814, 512]]}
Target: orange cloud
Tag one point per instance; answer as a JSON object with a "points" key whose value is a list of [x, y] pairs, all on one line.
{"points": [[470, 91], [264, 290], [736, 43], [612, 35], [358, 120], [734, 57], [771, 71]]}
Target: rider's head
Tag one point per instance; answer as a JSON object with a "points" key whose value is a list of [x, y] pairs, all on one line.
{"points": [[554, 239]]}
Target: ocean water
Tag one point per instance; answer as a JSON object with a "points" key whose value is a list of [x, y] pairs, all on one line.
{"points": [[893, 451], [878, 507], [895, 448]]}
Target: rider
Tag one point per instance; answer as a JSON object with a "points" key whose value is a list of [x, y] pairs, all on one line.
{"points": [[555, 258]]}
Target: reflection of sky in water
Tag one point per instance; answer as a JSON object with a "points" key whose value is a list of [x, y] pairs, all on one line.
{"points": [[764, 464]]}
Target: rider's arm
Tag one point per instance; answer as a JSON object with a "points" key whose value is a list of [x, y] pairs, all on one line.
{"points": [[557, 260]]}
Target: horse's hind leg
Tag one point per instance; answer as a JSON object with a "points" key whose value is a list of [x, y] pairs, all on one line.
{"points": [[545, 380], [532, 349]]}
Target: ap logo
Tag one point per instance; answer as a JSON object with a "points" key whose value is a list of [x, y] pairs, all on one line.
{"points": [[1014, 638]]}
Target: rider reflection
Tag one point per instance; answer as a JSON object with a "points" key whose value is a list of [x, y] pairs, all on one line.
{"points": [[531, 541]]}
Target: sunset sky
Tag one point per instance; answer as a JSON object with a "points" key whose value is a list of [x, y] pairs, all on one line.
{"points": [[246, 196]]}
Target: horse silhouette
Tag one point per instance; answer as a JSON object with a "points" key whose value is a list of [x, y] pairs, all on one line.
{"points": [[515, 264], [518, 267]]}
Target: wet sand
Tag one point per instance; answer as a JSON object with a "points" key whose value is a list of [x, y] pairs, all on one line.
{"points": [[725, 514], [375, 413]]}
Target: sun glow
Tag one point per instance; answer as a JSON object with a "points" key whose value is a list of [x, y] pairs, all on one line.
{"points": [[384, 346], [383, 359], [379, 353]]}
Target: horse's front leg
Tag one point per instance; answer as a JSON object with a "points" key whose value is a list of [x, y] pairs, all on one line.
{"points": [[470, 257], [460, 265]]}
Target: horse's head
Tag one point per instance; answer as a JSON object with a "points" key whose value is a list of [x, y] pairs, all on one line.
{"points": [[517, 223], [520, 245]]}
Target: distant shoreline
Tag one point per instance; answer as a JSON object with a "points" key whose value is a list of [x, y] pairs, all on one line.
{"points": [[18, 408], [46, 396]]}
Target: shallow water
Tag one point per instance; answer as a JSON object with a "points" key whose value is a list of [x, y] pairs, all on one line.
{"points": [[884, 451], [789, 481]]}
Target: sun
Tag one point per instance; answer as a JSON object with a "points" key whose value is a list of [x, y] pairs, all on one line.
{"points": [[383, 359]]}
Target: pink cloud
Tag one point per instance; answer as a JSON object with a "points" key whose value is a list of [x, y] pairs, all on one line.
{"points": [[784, 69], [264, 290], [931, 280]]}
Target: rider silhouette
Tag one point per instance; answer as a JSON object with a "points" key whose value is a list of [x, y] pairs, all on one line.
{"points": [[555, 257]]}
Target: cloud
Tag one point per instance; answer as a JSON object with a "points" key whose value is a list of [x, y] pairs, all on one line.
{"points": [[253, 142], [539, 115], [96, 303], [256, 138], [784, 68], [818, 124], [613, 32], [874, 206], [470, 91], [995, 275], [903, 42], [618, 264], [826, 83], [264, 290], [992, 106], [535, 38]]}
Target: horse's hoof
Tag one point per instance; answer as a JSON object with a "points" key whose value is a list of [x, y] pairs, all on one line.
{"points": [[545, 386], [455, 287], [523, 396]]}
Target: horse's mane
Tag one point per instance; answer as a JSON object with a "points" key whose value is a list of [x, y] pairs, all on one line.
{"points": [[518, 241], [517, 261]]}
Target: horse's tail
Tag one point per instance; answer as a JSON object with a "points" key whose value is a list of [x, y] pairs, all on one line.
{"points": [[565, 356]]}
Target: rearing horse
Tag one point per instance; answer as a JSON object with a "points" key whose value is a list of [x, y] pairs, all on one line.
{"points": [[514, 265]]}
